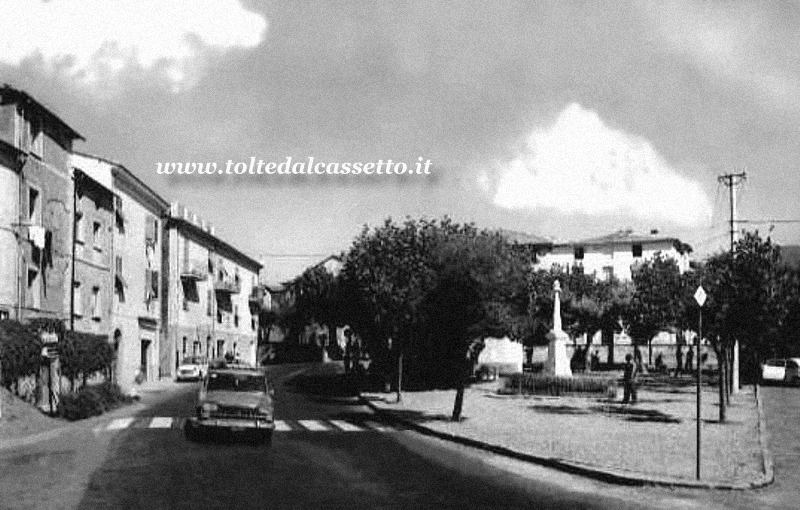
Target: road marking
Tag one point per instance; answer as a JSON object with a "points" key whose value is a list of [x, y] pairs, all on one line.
{"points": [[161, 422], [120, 423], [345, 426], [315, 425], [377, 426], [282, 426]]}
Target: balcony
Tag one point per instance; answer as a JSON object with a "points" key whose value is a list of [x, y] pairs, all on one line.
{"points": [[228, 286], [256, 299], [197, 271]]}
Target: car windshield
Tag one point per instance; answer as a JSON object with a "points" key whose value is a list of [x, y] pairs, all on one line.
{"points": [[192, 360], [236, 382]]}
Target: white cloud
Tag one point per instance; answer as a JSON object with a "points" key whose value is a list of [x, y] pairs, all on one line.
{"points": [[580, 165], [95, 40]]}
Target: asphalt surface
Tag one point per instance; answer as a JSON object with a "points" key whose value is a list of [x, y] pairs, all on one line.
{"points": [[141, 465]]}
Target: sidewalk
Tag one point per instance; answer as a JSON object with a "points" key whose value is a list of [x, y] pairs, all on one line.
{"points": [[22, 424], [652, 442]]}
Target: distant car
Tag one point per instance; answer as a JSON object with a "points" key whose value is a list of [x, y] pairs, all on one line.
{"points": [[234, 400], [781, 370], [193, 368]]}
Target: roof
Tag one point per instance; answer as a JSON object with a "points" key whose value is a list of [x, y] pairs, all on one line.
{"points": [[119, 170], [523, 238], [21, 96], [623, 236], [218, 244]]}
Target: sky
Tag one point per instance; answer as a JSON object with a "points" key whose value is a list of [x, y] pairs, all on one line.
{"points": [[566, 120]]}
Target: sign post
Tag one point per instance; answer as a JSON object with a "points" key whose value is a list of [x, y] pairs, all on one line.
{"points": [[700, 297]]}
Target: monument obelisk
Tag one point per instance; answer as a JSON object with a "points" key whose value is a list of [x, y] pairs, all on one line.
{"points": [[557, 360]]}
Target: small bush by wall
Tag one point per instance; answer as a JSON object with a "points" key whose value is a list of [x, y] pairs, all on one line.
{"points": [[548, 384], [92, 400]]}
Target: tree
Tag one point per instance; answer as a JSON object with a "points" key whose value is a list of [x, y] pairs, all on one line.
{"points": [[656, 303], [20, 352], [390, 272], [746, 301]]}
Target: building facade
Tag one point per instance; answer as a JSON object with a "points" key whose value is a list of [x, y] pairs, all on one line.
{"points": [[211, 299], [118, 262], [615, 254], [36, 209], [94, 246]]}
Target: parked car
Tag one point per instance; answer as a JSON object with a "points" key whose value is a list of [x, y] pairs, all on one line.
{"points": [[238, 400], [781, 370], [193, 368]]}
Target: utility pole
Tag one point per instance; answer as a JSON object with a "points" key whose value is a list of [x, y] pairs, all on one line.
{"points": [[731, 180]]}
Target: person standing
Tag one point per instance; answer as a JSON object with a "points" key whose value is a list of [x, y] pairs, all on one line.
{"points": [[679, 360], [629, 380], [689, 359]]}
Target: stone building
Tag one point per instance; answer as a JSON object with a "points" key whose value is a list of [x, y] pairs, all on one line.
{"points": [[131, 218], [94, 247], [211, 302], [36, 208]]}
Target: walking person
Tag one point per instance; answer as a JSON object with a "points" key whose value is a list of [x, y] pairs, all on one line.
{"points": [[629, 380], [689, 359], [679, 360]]}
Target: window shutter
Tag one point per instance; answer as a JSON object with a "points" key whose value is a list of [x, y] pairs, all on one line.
{"points": [[148, 278], [118, 265], [209, 298], [154, 283], [150, 230]]}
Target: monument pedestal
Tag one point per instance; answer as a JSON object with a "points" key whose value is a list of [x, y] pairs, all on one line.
{"points": [[557, 359]]}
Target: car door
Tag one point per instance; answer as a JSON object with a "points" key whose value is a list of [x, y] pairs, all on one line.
{"points": [[774, 370]]}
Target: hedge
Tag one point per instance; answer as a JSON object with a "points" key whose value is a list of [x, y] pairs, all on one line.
{"points": [[92, 400], [548, 384]]}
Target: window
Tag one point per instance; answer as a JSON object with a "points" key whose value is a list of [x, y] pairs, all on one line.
{"points": [[219, 317], [154, 284], [97, 233], [184, 345], [37, 137], [579, 252], [4, 315], [236, 316], [34, 288], [253, 323], [151, 230], [77, 297], [96, 314], [209, 301], [637, 250], [34, 206], [79, 234], [118, 215]]}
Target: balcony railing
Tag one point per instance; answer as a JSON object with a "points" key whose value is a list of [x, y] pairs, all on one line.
{"points": [[196, 271], [229, 286]]}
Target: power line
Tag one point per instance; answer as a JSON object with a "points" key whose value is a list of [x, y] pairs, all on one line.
{"points": [[762, 222]]}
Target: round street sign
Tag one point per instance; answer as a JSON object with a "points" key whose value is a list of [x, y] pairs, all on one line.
{"points": [[700, 296]]}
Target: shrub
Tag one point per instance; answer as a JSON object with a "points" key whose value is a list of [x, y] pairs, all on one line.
{"points": [[548, 384], [90, 401], [20, 351]]}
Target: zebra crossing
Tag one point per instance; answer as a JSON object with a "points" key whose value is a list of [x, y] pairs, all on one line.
{"points": [[333, 425]]}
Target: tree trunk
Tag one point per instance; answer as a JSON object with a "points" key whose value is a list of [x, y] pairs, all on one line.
{"points": [[462, 383], [722, 384], [400, 376]]}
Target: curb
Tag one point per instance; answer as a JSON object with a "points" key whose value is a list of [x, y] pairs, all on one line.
{"points": [[608, 475], [15, 442]]}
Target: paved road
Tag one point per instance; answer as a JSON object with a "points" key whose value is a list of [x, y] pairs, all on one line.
{"points": [[332, 454]]}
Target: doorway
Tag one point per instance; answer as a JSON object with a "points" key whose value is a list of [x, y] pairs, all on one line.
{"points": [[145, 359]]}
